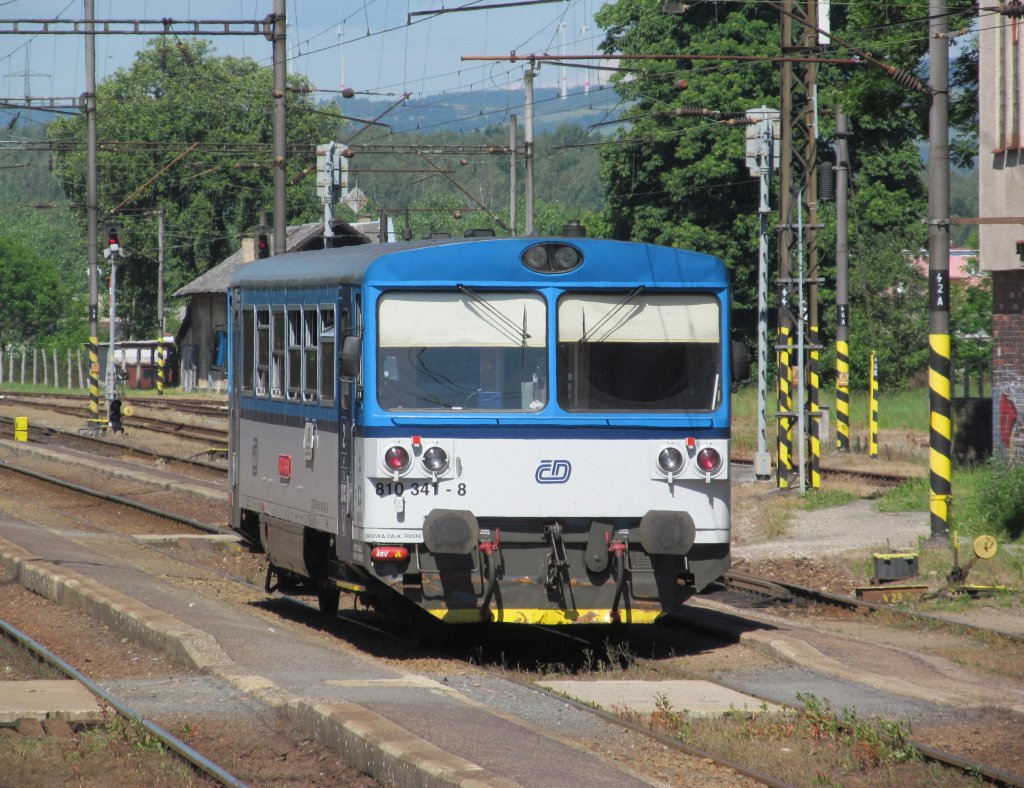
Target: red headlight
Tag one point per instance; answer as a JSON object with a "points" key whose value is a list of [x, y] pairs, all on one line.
{"points": [[709, 460], [396, 458]]}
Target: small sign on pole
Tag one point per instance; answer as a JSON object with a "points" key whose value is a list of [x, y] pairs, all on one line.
{"points": [[873, 416]]}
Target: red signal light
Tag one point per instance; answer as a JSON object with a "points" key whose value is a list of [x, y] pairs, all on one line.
{"points": [[396, 458], [709, 460]]}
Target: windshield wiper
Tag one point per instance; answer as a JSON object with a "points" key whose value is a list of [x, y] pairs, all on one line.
{"points": [[518, 334], [609, 315]]}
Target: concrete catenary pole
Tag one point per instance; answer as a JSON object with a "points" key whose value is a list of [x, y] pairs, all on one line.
{"points": [[939, 350], [91, 200], [160, 325], [513, 175], [842, 284], [784, 468], [528, 228], [280, 128]]}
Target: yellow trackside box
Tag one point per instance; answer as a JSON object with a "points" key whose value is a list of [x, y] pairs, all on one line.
{"points": [[21, 428]]}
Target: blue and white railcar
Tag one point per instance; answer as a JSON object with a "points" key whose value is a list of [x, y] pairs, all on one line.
{"points": [[518, 430]]}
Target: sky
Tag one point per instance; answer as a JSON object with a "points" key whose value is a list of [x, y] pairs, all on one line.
{"points": [[368, 45]]}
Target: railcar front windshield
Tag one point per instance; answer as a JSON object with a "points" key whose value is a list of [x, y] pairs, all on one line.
{"points": [[639, 351], [467, 350]]}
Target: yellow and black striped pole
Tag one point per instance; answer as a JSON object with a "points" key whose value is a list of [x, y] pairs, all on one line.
{"points": [[842, 285], [842, 390], [160, 368], [94, 377], [940, 440], [785, 464], [873, 412], [814, 406]]}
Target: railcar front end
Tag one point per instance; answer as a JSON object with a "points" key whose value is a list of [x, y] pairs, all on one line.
{"points": [[527, 431]]}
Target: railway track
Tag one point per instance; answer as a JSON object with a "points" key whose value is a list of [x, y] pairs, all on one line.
{"points": [[46, 435], [215, 435], [781, 593], [194, 759], [117, 499], [736, 581], [882, 478]]}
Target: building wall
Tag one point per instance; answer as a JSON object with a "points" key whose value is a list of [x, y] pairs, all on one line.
{"points": [[1008, 363], [209, 313], [1001, 141]]}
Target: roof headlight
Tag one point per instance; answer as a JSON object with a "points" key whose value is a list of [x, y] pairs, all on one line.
{"points": [[536, 257], [435, 460], [566, 258]]}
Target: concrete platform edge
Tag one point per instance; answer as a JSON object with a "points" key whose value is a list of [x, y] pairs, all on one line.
{"points": [[368, 741]]}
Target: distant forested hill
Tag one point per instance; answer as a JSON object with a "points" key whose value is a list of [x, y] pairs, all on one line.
{"points": [[474, 111]]}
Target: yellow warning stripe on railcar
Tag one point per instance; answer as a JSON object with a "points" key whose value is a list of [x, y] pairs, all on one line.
{"points": [[547, 617]]}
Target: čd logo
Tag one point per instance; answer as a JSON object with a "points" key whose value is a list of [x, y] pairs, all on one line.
{"points": [[553, 472]]}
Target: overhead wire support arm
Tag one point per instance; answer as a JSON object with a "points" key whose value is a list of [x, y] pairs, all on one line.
{"points": [[475, 6], [136, 27], [513, 58], [899, 76]]}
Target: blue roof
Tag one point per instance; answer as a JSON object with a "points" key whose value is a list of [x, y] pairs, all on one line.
{"points": [[491, 260]]}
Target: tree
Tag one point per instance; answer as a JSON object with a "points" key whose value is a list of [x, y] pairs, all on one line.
{"points": [[676, 173], [148, 118], [32, 296]]}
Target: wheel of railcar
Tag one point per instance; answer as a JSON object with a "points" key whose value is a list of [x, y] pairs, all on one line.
{"points": [[329, 597]]}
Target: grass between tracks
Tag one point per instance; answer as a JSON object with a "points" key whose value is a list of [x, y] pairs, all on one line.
{"points": [[810, 746], [117, 752]]}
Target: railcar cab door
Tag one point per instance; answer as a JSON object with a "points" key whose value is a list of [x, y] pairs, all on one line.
{"points": [[238, 338], [348, 325]]}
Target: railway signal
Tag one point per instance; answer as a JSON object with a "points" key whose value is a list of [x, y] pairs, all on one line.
{"points": [[112, 232], [261, 242]]}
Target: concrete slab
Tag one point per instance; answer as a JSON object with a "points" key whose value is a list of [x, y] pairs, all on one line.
{"points": [[694, 698], [43, 698]]}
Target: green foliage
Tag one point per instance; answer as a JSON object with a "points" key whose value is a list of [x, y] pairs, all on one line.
{"points": [[683, 181], [996, 503], [566, 173], [32, 297], [909, 496], [171, 98], [826, 499], [971, 323]]}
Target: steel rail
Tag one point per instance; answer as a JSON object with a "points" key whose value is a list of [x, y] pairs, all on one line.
{"points": [[200, 526], [748, 583], [47, 431], [893, 478], [204, 764]]}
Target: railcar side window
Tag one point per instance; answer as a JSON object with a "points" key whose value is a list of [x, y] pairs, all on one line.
{"points": [[309, 351], [277, 336], [327, 344], [643, 351], [248, 340], [262, 351], [294, 352], [463, 350]]}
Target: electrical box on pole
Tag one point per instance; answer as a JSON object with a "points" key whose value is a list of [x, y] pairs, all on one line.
{"points": [[762, 158], [756, 133]]}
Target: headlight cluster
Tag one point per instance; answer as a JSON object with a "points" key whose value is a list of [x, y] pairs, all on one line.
{"points": [[672, 461], [552, 258], [434, 460]]}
